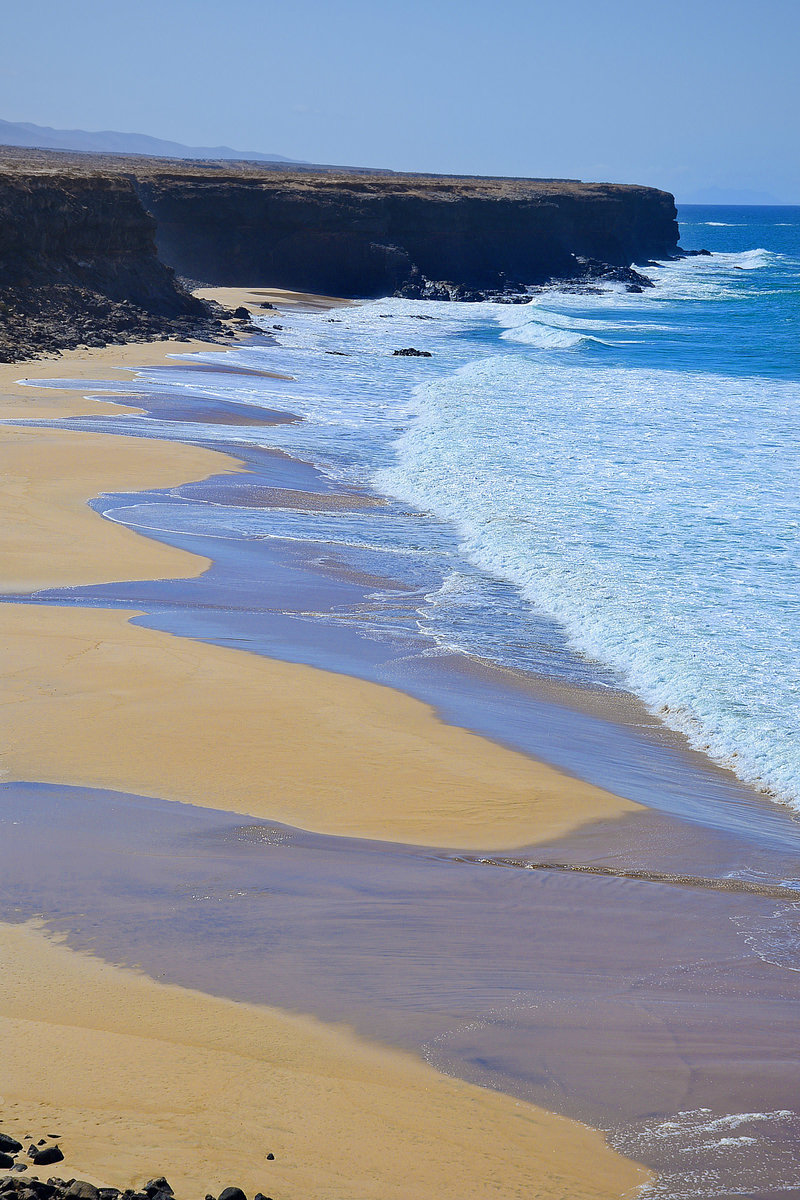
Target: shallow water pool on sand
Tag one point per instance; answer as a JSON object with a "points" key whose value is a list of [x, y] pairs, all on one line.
{"points": [[625, 1003]]}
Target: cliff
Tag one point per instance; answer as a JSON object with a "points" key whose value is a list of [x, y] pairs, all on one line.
{"points": [[363, 235], [79, 266], [94, 239]]}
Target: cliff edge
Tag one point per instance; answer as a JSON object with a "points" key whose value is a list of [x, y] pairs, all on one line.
{"points": [[368, 235]]}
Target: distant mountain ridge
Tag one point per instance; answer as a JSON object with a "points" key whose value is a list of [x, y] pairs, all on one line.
{"points": [[108, 141]]}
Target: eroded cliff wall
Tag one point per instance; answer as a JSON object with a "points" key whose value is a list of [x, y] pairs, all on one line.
{"points": [[79, 266], [365, 235], [86, 231]]}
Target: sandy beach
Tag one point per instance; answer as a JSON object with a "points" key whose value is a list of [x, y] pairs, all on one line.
{"points": [[139, 1078], [91, 699]]}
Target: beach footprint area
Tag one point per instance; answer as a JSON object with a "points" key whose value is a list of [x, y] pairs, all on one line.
{"points": [[278, 880]]}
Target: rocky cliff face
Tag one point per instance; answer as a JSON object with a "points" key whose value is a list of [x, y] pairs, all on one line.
{"points": [[78, 265], [84, 231], [365, 235]]}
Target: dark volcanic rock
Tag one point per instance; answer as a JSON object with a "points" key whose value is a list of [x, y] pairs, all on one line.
{"points": [[157, 1185], [45, 1156], [9, 1145], [78, 266], [232, 1193], [6, 1161], [410, 352], [79, 1189], [587, 269]]}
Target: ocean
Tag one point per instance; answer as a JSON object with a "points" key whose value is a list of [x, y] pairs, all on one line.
{"points": [[598, 489]]}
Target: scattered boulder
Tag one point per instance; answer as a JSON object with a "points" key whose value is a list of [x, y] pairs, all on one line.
{"points": [[266, 304], [270, 1157], [79, 1189], [6, 1161], [45, 1156], [242, 313], [157, 1185], [412, 352], [9, 1145], [232, 1193]]}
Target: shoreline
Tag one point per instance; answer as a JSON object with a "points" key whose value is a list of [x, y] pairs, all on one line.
{"points": [[134, 1086], [143, 462]]}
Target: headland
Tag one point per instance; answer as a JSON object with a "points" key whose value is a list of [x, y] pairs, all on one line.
{"points": [[92, 248]]}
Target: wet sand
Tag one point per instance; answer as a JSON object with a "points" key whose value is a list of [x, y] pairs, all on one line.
{"points": [[620, 1001], [90, 698], [139, 1077]]}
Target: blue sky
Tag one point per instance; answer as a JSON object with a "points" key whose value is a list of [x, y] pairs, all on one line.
{"points": [[682, 95]]}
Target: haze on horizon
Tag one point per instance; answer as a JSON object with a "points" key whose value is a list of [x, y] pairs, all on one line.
{"points": [[687, 96]]}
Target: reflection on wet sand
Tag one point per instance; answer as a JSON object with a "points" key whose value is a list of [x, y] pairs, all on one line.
{"points": [[610, 999]]}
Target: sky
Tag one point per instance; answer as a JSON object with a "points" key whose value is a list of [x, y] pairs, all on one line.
{"points": [[683, 95]]}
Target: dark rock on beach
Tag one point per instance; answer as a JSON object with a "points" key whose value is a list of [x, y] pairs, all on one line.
{"points": [[45, 1156], [411, 352], [9, 1145], [12, 1187], [155, 1187], [80, 1190]]}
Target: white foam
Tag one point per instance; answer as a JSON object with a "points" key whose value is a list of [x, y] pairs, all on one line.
{"points": [[535, 333], [652, 514]]}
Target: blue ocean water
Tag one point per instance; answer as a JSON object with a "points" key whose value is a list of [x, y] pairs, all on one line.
{"points": [[601, 488]]}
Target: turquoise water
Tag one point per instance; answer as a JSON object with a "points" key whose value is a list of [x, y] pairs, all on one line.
{"points": [[599, 488]]}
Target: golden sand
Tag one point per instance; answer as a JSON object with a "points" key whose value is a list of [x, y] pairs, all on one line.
{"points": [[255, 298], [49, 537], [140, 1079], [88, 698]]}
